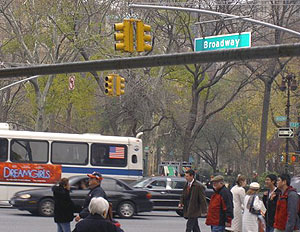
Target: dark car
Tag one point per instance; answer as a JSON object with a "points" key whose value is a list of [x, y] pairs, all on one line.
{"points": [[126, 201], [166, 191]]}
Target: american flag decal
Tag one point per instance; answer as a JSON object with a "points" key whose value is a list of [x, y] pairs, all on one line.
{"points": [[116, 152]]}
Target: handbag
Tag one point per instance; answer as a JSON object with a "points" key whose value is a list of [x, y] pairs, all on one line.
{"points": [[251, 208]]}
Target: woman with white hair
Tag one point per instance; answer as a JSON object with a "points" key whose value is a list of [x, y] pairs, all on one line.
{"points": [[96, 221], [252, 207]]}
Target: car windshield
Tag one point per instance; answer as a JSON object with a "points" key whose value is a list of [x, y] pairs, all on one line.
{"points": [[141, 183]]}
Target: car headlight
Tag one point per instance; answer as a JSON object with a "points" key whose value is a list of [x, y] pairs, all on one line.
{"points": [[25, 196]]}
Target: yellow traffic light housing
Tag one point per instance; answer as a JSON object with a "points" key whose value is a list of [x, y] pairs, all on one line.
{"points": [[109, 85], [124, 37], [141, 37], [120, 85]]}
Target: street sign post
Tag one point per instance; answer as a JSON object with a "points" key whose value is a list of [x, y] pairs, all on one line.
{"points": [[285, 132], [242, 40]]}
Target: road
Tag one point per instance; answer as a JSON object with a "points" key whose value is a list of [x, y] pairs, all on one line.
{"points": [[13, 220]]}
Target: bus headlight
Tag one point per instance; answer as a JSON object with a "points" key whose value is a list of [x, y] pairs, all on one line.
{"points": [[25, 196]]}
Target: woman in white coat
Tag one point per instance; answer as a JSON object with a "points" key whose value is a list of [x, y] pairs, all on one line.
{"points": [[238, 193], [250, 220]]}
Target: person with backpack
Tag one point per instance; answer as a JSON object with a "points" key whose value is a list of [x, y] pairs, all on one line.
{"points": [[252, 208], [270, 198], [286, 216]]}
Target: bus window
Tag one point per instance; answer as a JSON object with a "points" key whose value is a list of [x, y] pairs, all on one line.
{"points": [[3, 149], [69, 153], [31, 151], [109, 155]]}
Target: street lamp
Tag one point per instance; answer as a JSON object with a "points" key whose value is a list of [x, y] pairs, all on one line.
{"points": [[288, 82]]}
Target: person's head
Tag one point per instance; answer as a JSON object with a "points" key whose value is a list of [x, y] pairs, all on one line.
{"points": [[270, 181], [189, 175], [98, 205], [241, 181], [217, 182], [253, 188], [94, 179], [64, 182], [283, 181]]}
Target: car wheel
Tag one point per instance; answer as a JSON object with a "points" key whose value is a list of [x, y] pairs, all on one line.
{"points": [[179, 212], [46, 207], [126, 209]]}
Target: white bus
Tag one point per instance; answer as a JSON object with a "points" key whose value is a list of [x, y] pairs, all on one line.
{"points": [[39, 159]]}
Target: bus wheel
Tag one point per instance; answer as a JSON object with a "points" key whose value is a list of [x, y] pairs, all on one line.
{"points": [[126, 209], [46, 207]]}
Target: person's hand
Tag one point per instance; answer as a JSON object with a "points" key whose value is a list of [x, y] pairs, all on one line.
{"points": [[273, 196], [77, 218], [266, 193], [227, 224], [180, 205]]}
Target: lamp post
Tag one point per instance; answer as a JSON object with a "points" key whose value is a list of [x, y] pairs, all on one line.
{"points": [[288, 82]]}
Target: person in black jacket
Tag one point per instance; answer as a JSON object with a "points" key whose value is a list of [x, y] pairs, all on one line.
{"points": [[96, 221], [96, 191], [63, 206], [270, 198]]}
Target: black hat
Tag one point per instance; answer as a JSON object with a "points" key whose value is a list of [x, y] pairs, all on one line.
{"points": [[96, 175]]}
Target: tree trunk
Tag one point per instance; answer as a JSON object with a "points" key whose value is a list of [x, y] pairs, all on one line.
{"points": [[264, 127], [192, 118]]}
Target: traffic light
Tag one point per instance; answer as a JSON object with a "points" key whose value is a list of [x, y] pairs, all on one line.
{"points": [[141, 37], [283, 158], [109, 85], [124, 37], [294, 158], [120, 85]]}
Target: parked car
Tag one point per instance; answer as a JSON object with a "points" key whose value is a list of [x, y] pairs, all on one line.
{"points": [[295, 182], [166, 191], [126, 201]]}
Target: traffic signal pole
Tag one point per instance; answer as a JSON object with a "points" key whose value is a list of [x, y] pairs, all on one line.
{"points": [[238, 54]]}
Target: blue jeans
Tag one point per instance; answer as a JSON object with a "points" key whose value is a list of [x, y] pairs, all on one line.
{"points": [[217, 228], [63, 227], [269, 228]]}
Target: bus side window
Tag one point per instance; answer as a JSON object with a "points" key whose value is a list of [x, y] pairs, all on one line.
{"points": [[3, 149], [98, 154]]}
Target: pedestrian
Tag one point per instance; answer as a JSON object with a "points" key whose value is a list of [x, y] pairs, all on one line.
{"points": [[270, 198], [193, 201], [63, 206], [238, 193], [286, 216], [96, 221], [220, 209], [95, 191], [252, 208]]}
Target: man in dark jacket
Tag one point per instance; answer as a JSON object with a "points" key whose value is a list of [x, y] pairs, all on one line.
{"points": [[286, 216], [193, 201], [220, 209], [96, 191], [270, 198], [63, 206]]}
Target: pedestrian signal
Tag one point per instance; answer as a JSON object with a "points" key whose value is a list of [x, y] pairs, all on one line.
{"points": [[124, 36], [141, 37]]}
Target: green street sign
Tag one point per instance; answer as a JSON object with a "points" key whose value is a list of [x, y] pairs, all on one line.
{"points": [[218, 42]]}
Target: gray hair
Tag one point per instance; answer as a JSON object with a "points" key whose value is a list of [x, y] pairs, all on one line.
{"points": [[99, 205]]}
